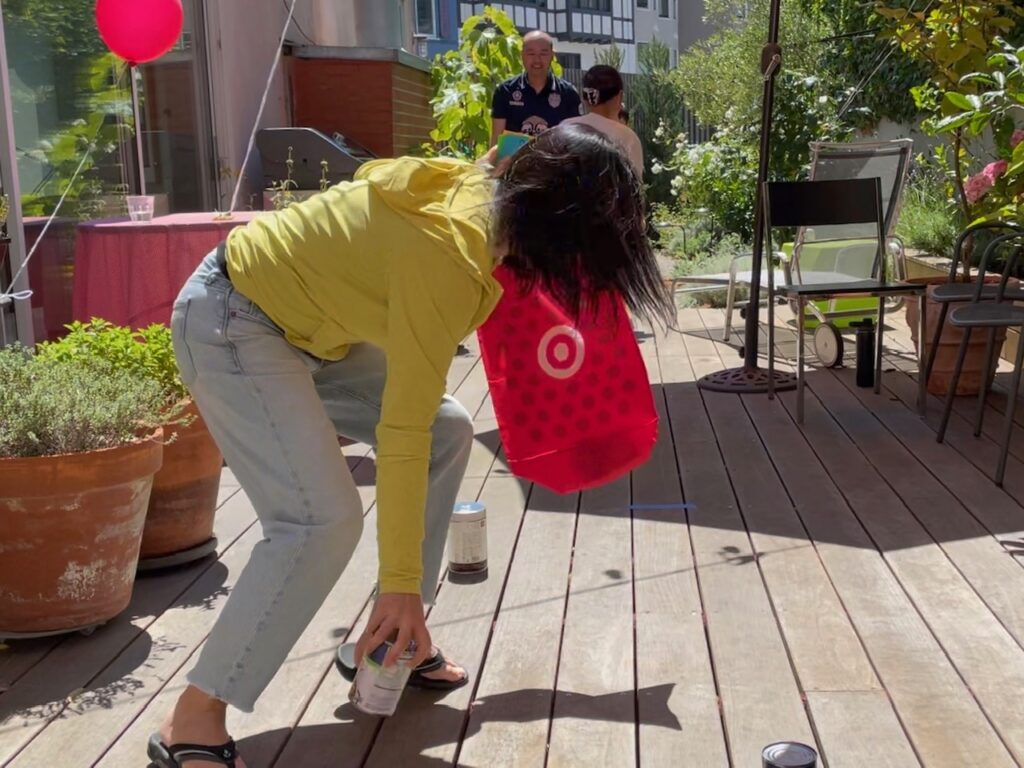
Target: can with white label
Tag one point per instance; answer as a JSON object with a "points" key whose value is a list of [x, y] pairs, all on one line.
{"points": [[377, 689], [467, 538]]}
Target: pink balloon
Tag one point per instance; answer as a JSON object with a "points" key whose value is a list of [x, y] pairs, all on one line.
{"points": [[139, 30]]}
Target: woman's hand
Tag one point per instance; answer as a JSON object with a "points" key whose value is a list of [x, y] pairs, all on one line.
{"points": [[491, 162], [393, 612]]}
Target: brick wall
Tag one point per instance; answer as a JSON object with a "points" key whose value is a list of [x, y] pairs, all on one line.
{"points": [[382, 105]]}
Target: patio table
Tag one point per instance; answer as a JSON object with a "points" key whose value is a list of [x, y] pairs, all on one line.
{"points": [[130, 272]]}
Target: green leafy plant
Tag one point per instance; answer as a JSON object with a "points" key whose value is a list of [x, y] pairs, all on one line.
{"points": [[928, 222], [103, 123], [609, 55], [490, 51], [859, 56], [719, 177], [658, 105], [721, 75], [972, 53], [703, 255], [50, 406], [146, 354]]}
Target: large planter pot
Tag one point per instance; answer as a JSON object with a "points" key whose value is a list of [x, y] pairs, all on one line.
{"points": [[179, 522], [70, 529], [949, 344]]}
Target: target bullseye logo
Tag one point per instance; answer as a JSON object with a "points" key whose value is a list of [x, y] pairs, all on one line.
{"points": [[560, 352]]}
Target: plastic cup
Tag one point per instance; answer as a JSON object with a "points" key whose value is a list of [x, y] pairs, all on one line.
{"points": [[140, 207]]}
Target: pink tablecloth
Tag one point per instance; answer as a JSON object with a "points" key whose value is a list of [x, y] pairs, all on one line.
{"points": [[50, 275], [131, 273]]}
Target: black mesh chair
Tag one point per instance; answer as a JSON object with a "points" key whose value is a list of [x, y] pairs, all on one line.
{"points": [[796, 204], [955, 291], [990, 312]]}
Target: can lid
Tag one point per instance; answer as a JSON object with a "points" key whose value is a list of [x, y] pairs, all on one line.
{"points": [[789, 754], [469, 511]]}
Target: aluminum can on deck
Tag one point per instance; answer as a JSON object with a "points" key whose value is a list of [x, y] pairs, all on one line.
{"points": [[377, 689]]}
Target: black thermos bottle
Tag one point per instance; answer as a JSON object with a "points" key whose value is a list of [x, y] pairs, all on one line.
{"points": [[865, 352]]}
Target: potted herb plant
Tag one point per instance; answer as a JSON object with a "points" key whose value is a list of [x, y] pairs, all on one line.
{"points": [[179, 523], [80, 442]]}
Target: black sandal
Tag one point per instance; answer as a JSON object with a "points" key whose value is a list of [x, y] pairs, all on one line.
{"points": [[177, 755], [344, 660]]}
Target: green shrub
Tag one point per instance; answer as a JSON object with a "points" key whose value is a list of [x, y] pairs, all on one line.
{"points": [[706, 256], [928, 220], [719, 176], [464, 80], [50, 406], [146, 353]]}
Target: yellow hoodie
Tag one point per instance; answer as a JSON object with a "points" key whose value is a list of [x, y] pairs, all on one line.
{"points": [[398, 258]]}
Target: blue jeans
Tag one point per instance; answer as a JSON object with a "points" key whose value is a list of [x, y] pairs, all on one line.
{"points": [[275, 412]]}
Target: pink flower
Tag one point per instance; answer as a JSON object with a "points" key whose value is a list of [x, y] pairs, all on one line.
{"points": [[993, 171], [1017, 137], [976, 186]]}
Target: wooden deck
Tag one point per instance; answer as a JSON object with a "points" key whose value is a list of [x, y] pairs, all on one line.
{"points": [[851, 584]]}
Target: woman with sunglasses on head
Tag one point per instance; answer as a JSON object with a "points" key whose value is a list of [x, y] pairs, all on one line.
{"points": [[340, 315]]}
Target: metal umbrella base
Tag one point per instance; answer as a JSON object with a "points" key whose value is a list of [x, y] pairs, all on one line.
{"points": [[747, 380]]}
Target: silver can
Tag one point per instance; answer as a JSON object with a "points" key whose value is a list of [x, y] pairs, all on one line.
{"points": [[788, 754], [377, 689], [467, 538]]}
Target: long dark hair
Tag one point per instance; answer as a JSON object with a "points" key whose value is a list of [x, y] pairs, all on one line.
{"points": [[570, 216]]}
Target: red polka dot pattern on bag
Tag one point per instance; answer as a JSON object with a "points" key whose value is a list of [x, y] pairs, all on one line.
{"points": [[572, 399]]}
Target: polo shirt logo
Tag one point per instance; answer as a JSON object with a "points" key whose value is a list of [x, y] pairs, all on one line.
{"points": [[517, 99], [554, 99], [534, 125]]}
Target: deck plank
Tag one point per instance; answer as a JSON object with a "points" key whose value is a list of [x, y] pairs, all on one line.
{"points": [[940, 715], [594, 714], [510, 715], [928, 691], [822, 642], [982, 452], [935, 574], [759, 693], [679, 720], [859, 728], [426, 730]]}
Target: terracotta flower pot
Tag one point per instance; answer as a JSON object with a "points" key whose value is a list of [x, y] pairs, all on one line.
{"points": [[949, 344], [70, 529], [184, 498]]}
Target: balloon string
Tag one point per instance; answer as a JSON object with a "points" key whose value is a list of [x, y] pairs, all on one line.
{"points": [[263, 104], [10, 295]]}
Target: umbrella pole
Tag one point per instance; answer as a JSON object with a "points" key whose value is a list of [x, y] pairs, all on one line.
{"points": [[750, 377]]}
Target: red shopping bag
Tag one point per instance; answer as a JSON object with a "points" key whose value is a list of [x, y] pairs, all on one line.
{"points": [[572, 400]]}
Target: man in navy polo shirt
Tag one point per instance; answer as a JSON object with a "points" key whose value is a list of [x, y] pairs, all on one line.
{"points": [[535, 100]]}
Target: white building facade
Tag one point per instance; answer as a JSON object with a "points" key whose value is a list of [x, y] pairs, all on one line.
{"points": [[581, 28]]}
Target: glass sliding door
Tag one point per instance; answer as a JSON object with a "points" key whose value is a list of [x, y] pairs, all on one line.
{"points": [[175, 112], [72, 110]]}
